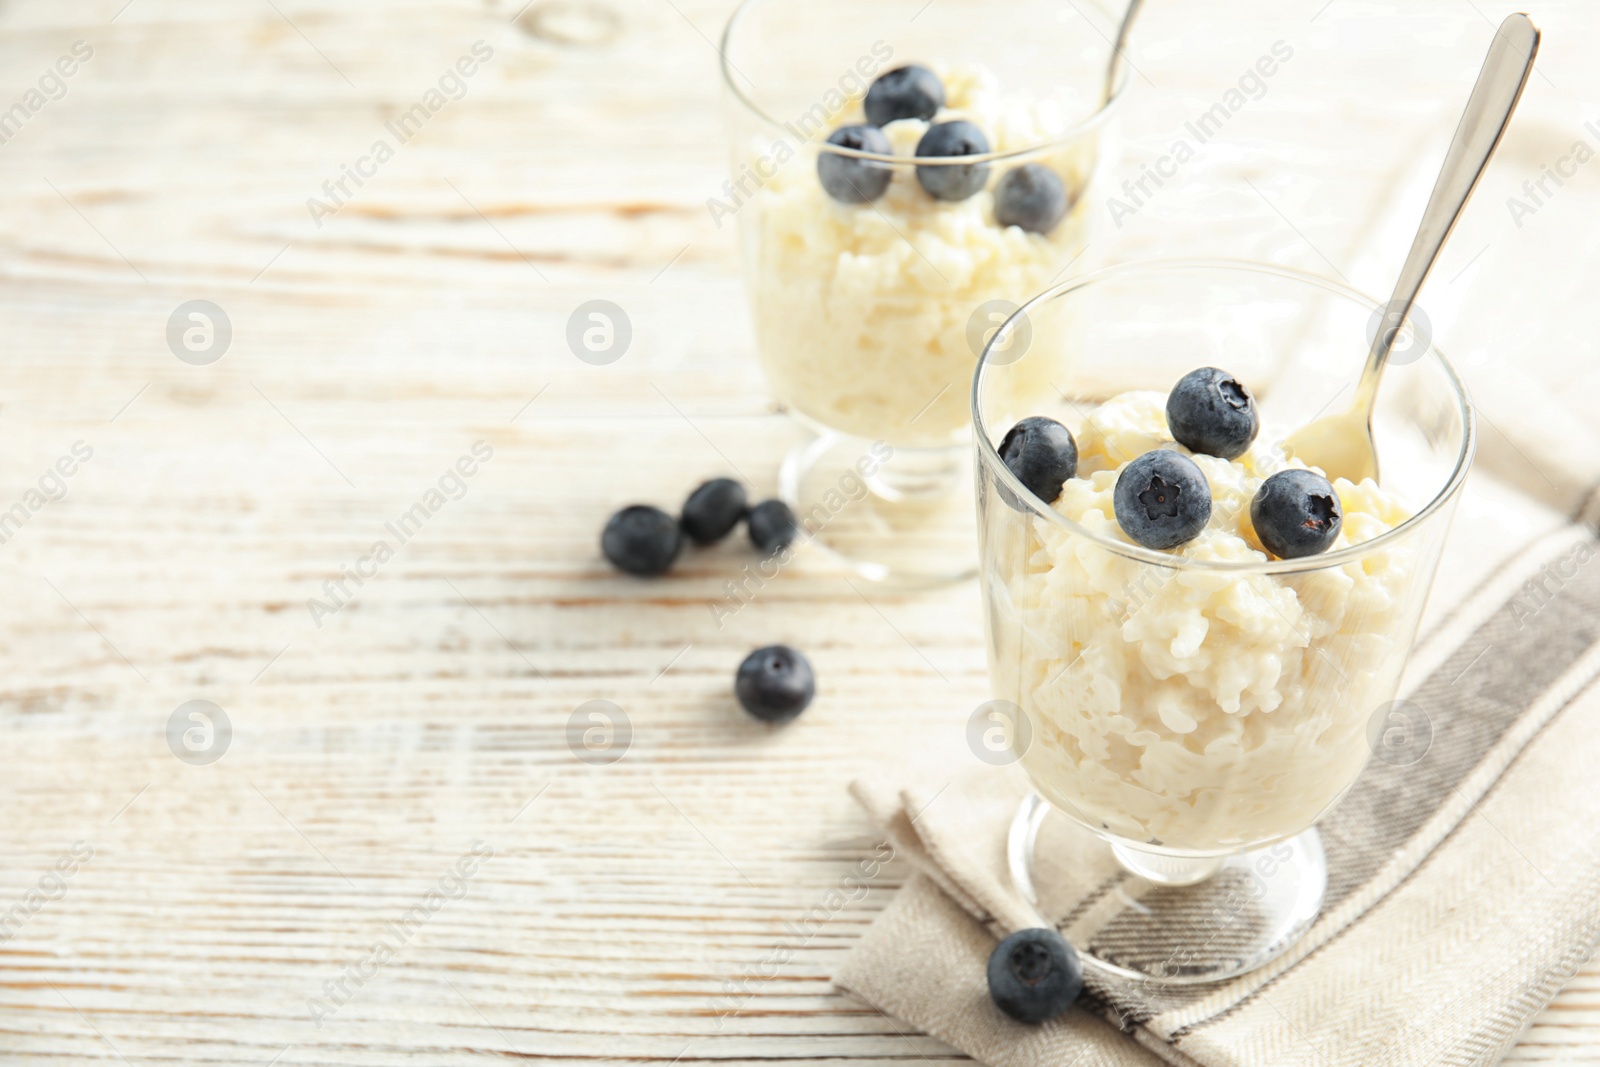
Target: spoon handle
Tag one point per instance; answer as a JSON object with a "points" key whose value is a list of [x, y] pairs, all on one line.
{"points": [[1118, 56], [1494, 97]]}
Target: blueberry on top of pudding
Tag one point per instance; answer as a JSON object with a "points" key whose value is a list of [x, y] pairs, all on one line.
{"points": [[1162, 499], [1032, 197], [909, 92], [850, 180], [1211, 411], [1296, 513], [952, 181], [1042, 454]]}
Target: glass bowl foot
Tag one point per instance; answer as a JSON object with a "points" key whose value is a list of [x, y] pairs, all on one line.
{"points": [[902, 516], [1181, 920]]}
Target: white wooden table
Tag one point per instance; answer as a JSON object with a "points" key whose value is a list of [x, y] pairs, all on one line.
{"points": [[371, 347]]}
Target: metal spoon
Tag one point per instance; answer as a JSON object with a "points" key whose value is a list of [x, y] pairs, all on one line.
{"points": [[1341, 443], [1114, 64]]}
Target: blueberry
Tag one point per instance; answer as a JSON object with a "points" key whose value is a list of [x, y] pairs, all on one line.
{"points": [[850, 180], [1042, 454], [642, 540], [954, 181], [772, 526], [1211, 411], [713, 510], [1031, 196], [1296, 513], [910, 92], [775, 683], [1162, 499], [1034, 975]]}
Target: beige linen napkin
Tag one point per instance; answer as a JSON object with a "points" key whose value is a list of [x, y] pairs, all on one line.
{"points": [[1463, 889]]}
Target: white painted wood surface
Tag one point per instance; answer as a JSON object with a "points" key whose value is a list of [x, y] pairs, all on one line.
{"points": [[369, 353]]}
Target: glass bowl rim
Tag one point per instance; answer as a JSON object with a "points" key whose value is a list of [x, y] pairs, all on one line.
{"points": [[989, 456], [1094, 119]]}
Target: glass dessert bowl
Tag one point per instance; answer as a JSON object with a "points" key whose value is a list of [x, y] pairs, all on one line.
{"points": [[902, 180], [1188, 695]]}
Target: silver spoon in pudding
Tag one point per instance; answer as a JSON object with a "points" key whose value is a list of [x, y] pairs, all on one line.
{"points": [[1341, 444], [1114, 64]]}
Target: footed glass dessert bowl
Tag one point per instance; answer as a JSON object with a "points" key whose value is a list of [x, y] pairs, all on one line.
{"points": [[903, 176], [1198, 633]]}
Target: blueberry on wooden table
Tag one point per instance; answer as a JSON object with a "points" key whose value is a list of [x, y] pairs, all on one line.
{"points": [[1162, 499], [713, 510], [1034, 975], [772, 526], [775, 683], [642, 540]]}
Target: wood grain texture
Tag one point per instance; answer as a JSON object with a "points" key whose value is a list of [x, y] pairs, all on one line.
{"points": [[622, 902]]}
